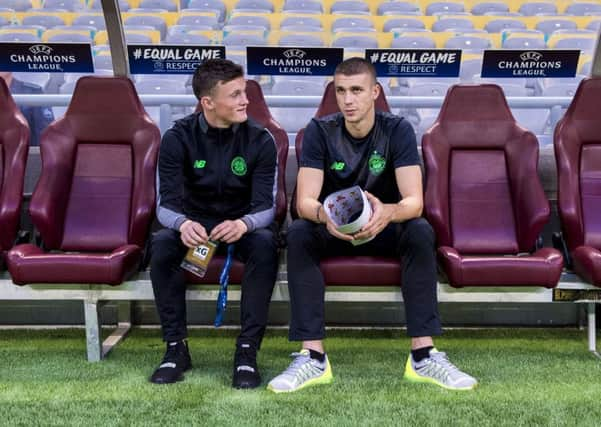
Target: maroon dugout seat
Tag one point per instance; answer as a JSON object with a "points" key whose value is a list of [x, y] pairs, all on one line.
{"points": [[577, 143], [352, 270], [95, 198], [483, 194], [14, 143], [258, 111]]}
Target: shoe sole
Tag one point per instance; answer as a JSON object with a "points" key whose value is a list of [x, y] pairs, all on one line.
{"points": [[326, 378], [413, 377]]}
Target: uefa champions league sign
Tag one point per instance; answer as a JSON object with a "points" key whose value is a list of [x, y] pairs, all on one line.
{"points": [[46, 57], [530, 63], [293, 61]]}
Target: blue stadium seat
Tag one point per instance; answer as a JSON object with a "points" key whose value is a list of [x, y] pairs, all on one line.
{"points": [[301, 40], [17, 5], [263, 6], [93, 20], [357, 23], [355, 41], [398, 8], [8, 36], [551, 25], [67, 5], [47, 21], [403, 24], [468, 43], [350, 7], [498, 25], [168, 5], [303, 6], [204, 20], [444, 7], [413, 42], [247, 21], [492, 7], [154, 21], [448, 24], [524, 43], [183, 38], [594, 25], [301, 21], [536, 8], [584, 44], [70, 37], [209, 5], [584, 8], [241, 40]]}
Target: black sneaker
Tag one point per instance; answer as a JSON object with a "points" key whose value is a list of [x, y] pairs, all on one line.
{"points": [[175, 363], [246, 373]]}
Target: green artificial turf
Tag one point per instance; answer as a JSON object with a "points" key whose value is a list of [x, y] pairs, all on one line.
{"points": [[527, 377]]}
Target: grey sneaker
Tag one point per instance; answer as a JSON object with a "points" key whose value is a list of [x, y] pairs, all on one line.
{"points": [[437, 369], [302, 372]]}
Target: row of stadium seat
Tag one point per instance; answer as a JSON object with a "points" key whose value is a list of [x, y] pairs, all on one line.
{"points": [[483, 195], [305, 23], [377, 7]]}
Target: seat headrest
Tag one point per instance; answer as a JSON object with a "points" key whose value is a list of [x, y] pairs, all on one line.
{"points": [[584, 105], [7, 104], [475, 103], [94, 95], [257, 107], [328, 104]]}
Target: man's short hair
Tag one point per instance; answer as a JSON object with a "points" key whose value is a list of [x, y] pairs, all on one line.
{"points": [[354, 66], [212, 72]]}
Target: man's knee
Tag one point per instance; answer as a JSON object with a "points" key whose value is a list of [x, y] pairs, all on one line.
{"points": [[166, 247], [419, 235], [263, 245], [300, 233]]}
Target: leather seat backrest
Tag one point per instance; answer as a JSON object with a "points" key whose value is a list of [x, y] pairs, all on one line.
{"points": [[577, 142], [481, 166], [14, 145], [97, 187], [257, 109]]}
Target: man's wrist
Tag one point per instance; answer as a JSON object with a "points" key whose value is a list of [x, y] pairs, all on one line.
{"points": [[179, 223], [318, 216], [246, 223]]}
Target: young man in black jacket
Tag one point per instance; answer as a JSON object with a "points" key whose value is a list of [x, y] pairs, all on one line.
{"points": [[378, 152], [216, 180]]}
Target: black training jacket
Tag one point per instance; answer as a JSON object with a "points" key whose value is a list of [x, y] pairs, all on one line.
{"points": [[209, 175]]}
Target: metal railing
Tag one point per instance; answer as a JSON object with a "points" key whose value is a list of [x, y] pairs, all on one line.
{"points": [[166, 102]]}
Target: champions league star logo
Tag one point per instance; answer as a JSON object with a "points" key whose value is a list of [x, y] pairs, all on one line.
{"points": [[531, 56], [40, 49]]}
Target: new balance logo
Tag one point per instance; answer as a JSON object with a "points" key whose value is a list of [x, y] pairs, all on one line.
{"points": [[337, 166]]}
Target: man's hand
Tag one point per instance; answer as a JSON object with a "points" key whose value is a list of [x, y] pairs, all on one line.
{"points": [[380, 218], [193, 234], [332, 228], [229, 231]]}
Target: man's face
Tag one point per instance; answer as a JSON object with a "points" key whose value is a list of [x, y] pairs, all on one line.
{"points": [[229, 102], [355, 96]]}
